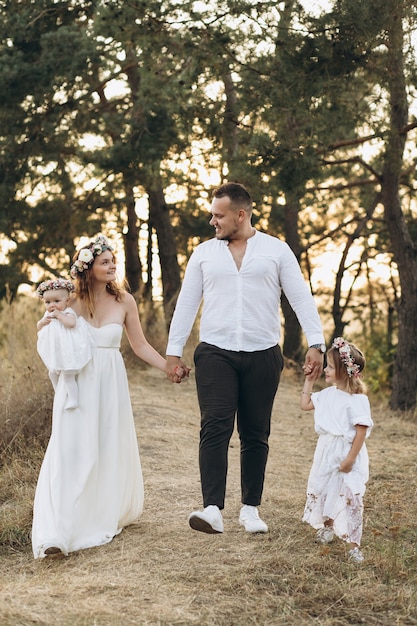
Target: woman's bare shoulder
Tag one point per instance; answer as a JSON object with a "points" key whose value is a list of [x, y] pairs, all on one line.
{"points": [[127, 299]]}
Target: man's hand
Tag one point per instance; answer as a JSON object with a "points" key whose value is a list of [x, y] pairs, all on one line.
{"points": [[176, 369], [313, 364]]}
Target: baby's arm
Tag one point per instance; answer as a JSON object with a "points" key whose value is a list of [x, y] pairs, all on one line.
{"points": [[357, 443], [67, 318]]}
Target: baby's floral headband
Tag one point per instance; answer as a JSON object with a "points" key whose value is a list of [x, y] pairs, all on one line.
{"points": [[345, 352], [87, 255], [58, 283]]}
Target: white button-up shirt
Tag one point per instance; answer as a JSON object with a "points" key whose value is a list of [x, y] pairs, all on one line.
{"points": [[241, 307]]}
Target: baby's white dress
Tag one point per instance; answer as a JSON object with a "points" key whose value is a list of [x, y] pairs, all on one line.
{"points": [[65, 349], [332, 494], [90, 484]]}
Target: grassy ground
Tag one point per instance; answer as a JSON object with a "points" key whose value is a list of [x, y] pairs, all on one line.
{"points": [[160, 572]]}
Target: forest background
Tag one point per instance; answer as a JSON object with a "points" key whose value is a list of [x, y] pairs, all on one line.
{"points": [[120, 117]]}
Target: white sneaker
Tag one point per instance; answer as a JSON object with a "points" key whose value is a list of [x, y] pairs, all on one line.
{"points": [[325, 535], [249, 518], [356, 555], [209, 520]]}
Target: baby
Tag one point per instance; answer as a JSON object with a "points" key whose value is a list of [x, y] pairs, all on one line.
{"points": [[64, 342]]}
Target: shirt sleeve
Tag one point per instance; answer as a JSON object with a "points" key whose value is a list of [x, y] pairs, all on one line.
{"points": [[187, 306], [300, 297], [360, 412]]}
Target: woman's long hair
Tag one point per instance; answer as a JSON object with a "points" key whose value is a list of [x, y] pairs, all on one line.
{"points": [[84, 288]]}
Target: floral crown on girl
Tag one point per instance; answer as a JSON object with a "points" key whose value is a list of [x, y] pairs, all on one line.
{"points": [[345, 352], [58, 283], [87, 255]]}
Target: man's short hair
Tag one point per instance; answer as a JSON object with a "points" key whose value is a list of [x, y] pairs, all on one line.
{"points": [[239, 196]]}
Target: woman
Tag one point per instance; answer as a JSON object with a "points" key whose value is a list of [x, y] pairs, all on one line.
{"points": [[90, 485]]}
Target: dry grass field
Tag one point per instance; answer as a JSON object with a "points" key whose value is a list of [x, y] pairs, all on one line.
{"points": [[159, 572]]}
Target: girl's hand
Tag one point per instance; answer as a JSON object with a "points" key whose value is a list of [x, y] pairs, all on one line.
{"points": [[346, 466], [313, 363], [309, 373]]}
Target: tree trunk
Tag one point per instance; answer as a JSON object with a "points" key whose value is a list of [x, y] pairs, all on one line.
{"points": [[404, 381], [292, 344], [170, 271], [338, 309], [230, 150], [133, 266]]}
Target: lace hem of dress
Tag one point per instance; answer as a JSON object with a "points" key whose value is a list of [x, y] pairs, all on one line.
{"points": [[353, 514]]}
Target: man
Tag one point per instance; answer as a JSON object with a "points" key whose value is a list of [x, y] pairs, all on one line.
{"points": [[239, 275]]}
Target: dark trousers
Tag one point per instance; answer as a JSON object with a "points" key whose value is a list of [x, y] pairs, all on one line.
{"points": [[228, 384]]}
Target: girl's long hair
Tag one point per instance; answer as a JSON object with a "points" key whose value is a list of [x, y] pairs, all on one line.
{"points": [[354, 384]]}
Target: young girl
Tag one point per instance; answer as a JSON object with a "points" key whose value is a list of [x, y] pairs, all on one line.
{"points": [[340, 469], [64, 343]]}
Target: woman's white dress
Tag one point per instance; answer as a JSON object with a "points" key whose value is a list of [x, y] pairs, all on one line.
{"points": [[332, 494], [90, 484], [65, 349]]}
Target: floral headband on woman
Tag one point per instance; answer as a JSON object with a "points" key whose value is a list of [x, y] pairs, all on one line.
{"points": [[87, 255], [58, 283], [345, 352]]}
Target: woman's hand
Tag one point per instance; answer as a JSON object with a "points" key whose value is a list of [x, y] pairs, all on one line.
{"points": [[176, 370]]}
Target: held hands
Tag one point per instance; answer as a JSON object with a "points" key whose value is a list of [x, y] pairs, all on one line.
{"points": [[176, 370], [313, 364], [308, 374], [312, 368]]}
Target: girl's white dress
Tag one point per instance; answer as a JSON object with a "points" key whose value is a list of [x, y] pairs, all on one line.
{"points": [[90, 484], [65, 349], [332, 494]]}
